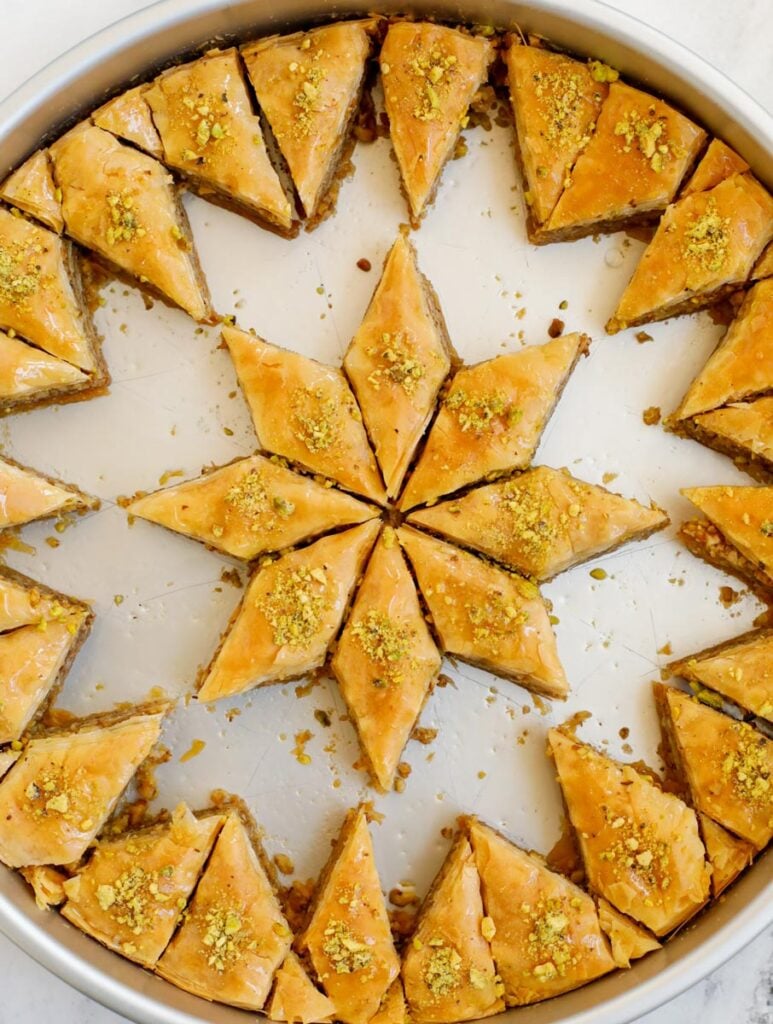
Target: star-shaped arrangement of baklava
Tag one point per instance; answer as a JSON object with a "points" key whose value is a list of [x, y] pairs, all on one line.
{"points": [[393, 516]]}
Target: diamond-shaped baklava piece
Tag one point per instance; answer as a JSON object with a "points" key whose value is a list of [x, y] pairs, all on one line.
{"points": [[63, 787], [27, 495], [295, 999], [291, 611], [640, 845], [628, 940], [717, 163], [430, 74], [743, 431], [251, 506], [544, 931], [309, 85], [541, 522], [397, 362], [31, 188], [728, 855], [41, 293], [630, 169], [726, 764], [348, 938], [317, 424], [556, 101], [492, 417], [448, 968], [740, 669], [128, 116], [737, 534], [704, 248], [210, 133], [234, 935], [385, 660], [485, 615], [122, 204], [132, 892], [30, 377]]}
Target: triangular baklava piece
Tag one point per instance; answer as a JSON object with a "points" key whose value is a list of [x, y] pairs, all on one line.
{"points": [[25, 602], [740, 669], [630, 169], [744, 432], [430, 74], [628, 940], [122, 204], [448, 968], [251, 506], [485, 615], [63, 787], [27, 495], [31, 188], [727, 765], [317, 424], [704, 248], [741, 366], [385, 660], [728, 855], [30, 377], [295, 999], [133, 890], [234, 935], [128, 117], [544, 931], [541, 522], [397, 362], [717, 163], [393, 1009], [737, 534], [556, 101], [492, 417], [640, 845], [348, 938], [41, 293], [211, 134], [291, 611], [309, 85]]}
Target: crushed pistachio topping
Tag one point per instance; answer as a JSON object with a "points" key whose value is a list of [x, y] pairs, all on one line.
{"points": [[747, 768], [648, 134], [707, 239], [561, 101], [250, 498], [310, 76], [601, 72], [530, 519], [397, 363], [52, 793], [635, 847], [130, 899], [443, 968], [123, 224], [20, 273], [766, 528], [346, 952], [433, 72], [315, 419], [225, 938], [206, 119], [494, 620], [386, 642], [479, 413], [549, 944], [294, 605]]}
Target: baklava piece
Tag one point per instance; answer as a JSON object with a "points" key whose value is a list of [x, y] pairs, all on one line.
{"points": [[630, 168], [295, 998], [317, 425], [485, 615], [31, 188], [717, 163], [27, 495], [123, 206], [291, 612], [544, 931], [250, 507], [640, 845], [30, 377], [728, 855], [348, 940], [430, 74], [744, 432], [234, 935], [448, 967], [492, 417], [385, 660], [60, 792], [397, 362], [129, 118], [309, 86], [211, 134], [703, 250], [628, 940], [135, 887], [737, 534], [740, 669], [541, 522]]}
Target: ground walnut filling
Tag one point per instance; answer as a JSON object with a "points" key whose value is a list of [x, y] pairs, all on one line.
{"points": [[479, 413], [315, 419], [649, 135], [388, 643], [747, 768], [548, 944], [397, 363], [132, 896], [635, 848], [306, 100], [123, 224], [206, 119], [344, 950], [494, 620], [433, 72], [707, 240], [20, 273], [250, 499], [295, 605]]}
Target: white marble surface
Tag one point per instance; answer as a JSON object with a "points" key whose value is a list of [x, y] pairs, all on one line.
{"points": [[34, 32]]}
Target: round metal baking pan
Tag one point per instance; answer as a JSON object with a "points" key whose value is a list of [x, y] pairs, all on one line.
{"points": [[77, 82]]}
